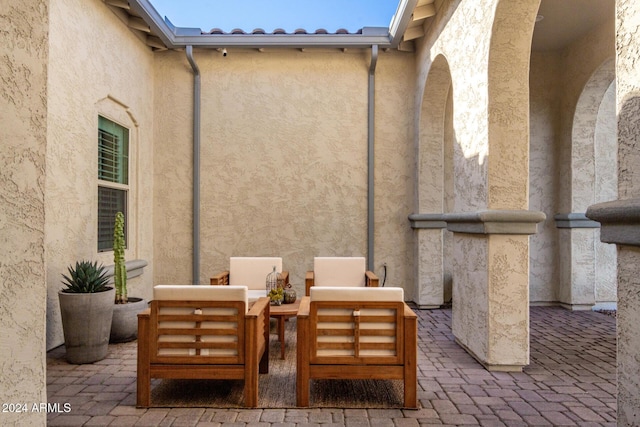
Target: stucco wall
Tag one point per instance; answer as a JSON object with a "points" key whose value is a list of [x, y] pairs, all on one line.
{"points": [[486, 46], [97, 66], [628, 111], [569, 170], [23, 110], [580, 60], [544, 113], [284, 160]]}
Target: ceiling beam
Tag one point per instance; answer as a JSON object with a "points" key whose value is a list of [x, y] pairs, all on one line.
{"points": [[413, 33], [424, 12], [122, 4], [138, 23]]}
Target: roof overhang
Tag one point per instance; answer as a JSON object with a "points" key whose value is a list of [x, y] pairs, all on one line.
{"points": [[178, 37]]}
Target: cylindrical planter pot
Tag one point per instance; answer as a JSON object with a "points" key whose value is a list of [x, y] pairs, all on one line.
{"points": [[124, 326], [86, 322]]}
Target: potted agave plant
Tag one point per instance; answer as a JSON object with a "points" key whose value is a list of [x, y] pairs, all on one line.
{"points": [[124, 326], [86, 306]]}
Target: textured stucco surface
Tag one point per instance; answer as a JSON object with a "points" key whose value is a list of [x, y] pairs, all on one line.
{"points": [[628, 110], [572, 164], [23, 109], [434, 190], [490, 134], [284, 137], [284, 160], [110, 73], [544, 107], [628, 340]]}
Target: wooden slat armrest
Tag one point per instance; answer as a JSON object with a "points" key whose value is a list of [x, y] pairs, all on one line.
{"points": [[305, 307], [259, 307], [408, 312], [145, 313], [308, 281], [371, 279], [220, 279]]}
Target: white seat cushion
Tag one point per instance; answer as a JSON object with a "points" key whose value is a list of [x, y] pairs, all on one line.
{"points": [[339, 271], [252, 271]]}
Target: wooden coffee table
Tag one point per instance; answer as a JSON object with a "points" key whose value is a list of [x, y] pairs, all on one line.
{"points": [[282, 313]]}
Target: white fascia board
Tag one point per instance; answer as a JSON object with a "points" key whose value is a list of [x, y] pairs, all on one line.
{"points": [[400, 21]]}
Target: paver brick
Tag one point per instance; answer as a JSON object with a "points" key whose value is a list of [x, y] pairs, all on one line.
{"points": [[564, 385]]}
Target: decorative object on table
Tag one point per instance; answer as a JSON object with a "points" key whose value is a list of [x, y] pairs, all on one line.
{"points": [[86, 307], [275, 287], [124, 326], [290, 295]]}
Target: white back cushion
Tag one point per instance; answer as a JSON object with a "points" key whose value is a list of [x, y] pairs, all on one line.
{"points": [[252, 271], [339, 271], [341, 293]]}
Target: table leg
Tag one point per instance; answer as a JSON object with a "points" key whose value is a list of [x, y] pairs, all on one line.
{"points": [[281, 335]]}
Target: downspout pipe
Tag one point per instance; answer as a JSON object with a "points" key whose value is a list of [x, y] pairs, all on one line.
{"points": [[370, 158], [196, 166]]}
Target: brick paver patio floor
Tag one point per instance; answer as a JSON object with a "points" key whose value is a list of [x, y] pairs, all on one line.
{"points": [[571, 381]]}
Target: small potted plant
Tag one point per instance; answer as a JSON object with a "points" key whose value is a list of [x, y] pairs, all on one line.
{"points": [[124, 327], [86, 306]]}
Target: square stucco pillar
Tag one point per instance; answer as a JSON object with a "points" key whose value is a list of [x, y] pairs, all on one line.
{"points": [[23, 118], [491, 285], [620, 221], [429, 262], [578, 277]]}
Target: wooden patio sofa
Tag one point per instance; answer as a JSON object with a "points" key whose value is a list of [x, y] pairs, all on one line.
{"points": [[203, 332], [340, 271], [356, 333]]}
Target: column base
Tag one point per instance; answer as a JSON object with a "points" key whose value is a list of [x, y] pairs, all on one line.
{"points": [[489, 366]]}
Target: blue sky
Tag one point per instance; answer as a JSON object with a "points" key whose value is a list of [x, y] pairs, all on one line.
{"points": [[271, 14]]}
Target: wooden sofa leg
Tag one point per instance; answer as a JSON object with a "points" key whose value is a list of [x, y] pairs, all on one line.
{"points": [[251, 387], [411, 362], [143, 381], [302, 363]]}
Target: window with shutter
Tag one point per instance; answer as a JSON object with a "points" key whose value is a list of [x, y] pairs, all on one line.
{"points": [[113, 179]]}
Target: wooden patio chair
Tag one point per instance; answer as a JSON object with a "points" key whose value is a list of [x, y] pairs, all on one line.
{"points": [[203, 332], [250, 272], [340, 271], [356, 333]]}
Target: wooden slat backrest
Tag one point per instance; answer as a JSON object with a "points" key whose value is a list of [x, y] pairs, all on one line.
{"points": [[197, 332], [356, 332]]}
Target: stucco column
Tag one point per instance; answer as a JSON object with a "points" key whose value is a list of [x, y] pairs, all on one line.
{"points": [[620, 221], [578, 277], [23, 119], [429, 264], [491, 285]]}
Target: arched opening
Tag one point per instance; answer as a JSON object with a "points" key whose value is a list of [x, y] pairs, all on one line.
{"points": [[434, 170], [594, 171], [571, 165]]}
